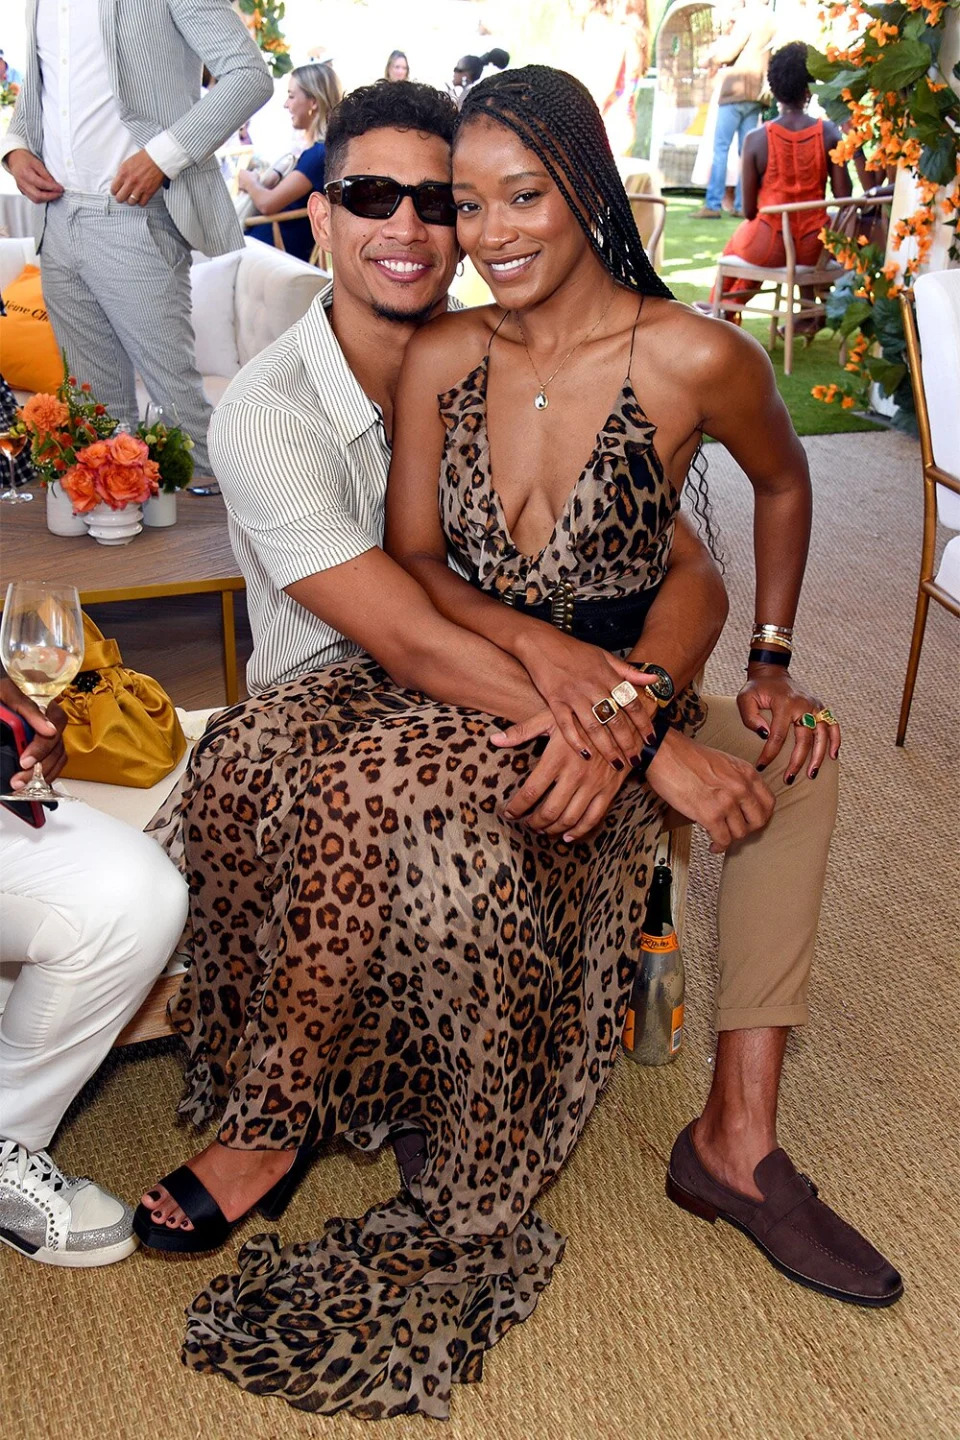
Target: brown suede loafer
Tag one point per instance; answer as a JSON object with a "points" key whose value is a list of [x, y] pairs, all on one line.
{"points": [[805, 1239]]}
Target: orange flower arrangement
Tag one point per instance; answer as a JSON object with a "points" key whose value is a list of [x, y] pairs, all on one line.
{"points": [[114, 472]]}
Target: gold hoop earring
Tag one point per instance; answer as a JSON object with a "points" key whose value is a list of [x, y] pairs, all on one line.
{"points": [[460, 268]]}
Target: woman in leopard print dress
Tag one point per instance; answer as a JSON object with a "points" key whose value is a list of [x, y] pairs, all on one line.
{"points": [[379, 946]]}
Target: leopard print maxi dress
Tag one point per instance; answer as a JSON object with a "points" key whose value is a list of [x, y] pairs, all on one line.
{"points": [[373, 941]]}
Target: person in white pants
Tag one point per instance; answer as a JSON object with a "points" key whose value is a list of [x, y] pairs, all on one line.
{"points": [[91, 910]]}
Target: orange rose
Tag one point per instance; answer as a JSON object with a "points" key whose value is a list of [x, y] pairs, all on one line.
{"points": [[44, 414], [121, 485], [127, 449], [80, 484], [95, 455]]}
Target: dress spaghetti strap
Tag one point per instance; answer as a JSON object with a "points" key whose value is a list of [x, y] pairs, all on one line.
{"points": [[633, 336], [496, 329]]}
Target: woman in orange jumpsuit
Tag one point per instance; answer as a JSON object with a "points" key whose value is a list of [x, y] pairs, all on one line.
{"points": [[785, 160]]}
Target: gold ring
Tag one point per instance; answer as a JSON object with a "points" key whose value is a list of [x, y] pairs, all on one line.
{"points": [[605, 709], [827, 717], [806, 721], [624, 693]]}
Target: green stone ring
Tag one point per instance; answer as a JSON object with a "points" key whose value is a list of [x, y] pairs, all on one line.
{"points": [[808, 721]]}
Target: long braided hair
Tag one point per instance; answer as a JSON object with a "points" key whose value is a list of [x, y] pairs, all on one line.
{"points": [[555, 116]]}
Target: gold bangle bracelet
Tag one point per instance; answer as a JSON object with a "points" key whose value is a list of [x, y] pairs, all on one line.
{"points": [[756, 639]]}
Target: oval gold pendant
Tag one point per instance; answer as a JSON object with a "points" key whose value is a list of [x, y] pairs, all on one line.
{"points": [[540, 401]]}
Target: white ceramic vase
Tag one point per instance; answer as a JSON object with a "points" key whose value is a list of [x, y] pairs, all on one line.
{"points": [[161, 510], [60, 517], [114, 527]]}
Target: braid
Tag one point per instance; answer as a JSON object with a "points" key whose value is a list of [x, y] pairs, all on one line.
{"points": [[696, 485], [555, 116]]}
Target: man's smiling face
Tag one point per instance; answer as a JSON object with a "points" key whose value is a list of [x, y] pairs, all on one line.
{"points": [[400, 267]]}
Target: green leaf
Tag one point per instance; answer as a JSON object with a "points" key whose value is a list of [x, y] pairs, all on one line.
{"points": [[899, 66], [856, 81], [939, 161], [853, 317], [927, 104], [889, 14], [820, 68], [888, 326], [887, 376]]}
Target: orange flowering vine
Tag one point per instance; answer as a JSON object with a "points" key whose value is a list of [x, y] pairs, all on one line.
{"points": [[884, 87]]}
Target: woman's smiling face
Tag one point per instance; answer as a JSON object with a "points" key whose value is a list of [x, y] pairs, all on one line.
{"points": [[513, 221]]}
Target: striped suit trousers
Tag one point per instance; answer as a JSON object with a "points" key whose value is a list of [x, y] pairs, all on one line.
{"points": [[116, 284]]}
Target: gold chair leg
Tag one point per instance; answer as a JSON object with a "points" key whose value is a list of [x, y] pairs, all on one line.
{"points": [[913, 664], [229, 632]]}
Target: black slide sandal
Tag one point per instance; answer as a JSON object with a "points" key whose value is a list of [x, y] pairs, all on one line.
{"points": [[210, 1226]]}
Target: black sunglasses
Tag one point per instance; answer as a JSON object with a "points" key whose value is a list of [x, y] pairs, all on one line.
{"points": [[377, 197]]}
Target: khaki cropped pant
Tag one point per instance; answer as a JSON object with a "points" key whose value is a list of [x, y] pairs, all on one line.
{"points": [[771, 886]]}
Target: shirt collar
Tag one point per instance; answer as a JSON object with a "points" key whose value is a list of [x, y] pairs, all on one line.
{"points": [[355, 412], [326, 362]]}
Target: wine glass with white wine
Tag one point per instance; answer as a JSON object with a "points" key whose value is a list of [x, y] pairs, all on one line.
{"points": [[41, 648], [10, 445]]}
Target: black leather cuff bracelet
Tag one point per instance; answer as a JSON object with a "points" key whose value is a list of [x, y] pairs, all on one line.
{"points": [[770, 657], [661, 724]]}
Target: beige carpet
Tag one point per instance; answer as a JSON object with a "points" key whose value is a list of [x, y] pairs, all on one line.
{"points": [[656, 1325]]}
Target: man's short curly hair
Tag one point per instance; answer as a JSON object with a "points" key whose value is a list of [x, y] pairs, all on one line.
{"points": [[386, 105], [787, 73]]}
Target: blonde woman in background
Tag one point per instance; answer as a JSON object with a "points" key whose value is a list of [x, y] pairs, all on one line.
{"points": [[398, 66], [312, 92]]}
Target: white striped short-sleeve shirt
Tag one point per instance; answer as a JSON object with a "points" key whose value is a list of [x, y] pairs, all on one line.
{"points": [[301, 455]]}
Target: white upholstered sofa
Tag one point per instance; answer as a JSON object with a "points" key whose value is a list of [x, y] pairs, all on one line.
{"points": [[242, 302]]}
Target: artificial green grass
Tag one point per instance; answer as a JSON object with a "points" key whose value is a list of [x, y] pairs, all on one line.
{"points": [[691, 248]]}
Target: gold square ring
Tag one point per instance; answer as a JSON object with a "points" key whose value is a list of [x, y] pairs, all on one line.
{"points": [[624, 693], [605, 709]]}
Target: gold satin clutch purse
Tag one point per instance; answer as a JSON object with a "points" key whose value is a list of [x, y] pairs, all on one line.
{"points": [[122, 726]]}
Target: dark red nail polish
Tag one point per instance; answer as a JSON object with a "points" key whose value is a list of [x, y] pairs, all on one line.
{"points": [[789, 779], [764, 734], [635, 761], [814, 774], [585, 754], [617, 764], [762, 767]]}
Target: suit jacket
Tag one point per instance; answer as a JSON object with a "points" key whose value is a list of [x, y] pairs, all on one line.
{"points": [[155, 52]]}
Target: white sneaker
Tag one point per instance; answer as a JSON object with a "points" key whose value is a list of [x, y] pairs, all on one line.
{"points": [[59, 1219]]}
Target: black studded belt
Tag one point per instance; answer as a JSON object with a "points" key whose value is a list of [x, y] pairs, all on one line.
{"points": [[614, 624]]}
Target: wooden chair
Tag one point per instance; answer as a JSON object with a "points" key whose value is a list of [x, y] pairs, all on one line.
{"points": [[931, 313], [786, 283], [318, 257], [650, 213]]}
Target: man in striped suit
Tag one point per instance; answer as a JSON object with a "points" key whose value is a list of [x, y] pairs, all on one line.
{"points": [[112, 141]]}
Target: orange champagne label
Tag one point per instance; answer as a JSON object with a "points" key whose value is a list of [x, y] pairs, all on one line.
{"points": [[629, 1027], [676, 1029], [659, 944]]}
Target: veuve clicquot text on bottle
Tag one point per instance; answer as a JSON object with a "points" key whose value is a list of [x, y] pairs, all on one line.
{"points": [[653, 1032]]}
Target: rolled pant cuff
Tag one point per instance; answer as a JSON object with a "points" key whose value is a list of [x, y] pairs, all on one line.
{"points": [[764, 1017]]}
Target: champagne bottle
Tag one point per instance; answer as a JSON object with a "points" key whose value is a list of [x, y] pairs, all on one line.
{"points": [[653, 1032]]}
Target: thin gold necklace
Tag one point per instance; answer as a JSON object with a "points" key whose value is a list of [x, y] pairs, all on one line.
{"points": [[540, 401]]}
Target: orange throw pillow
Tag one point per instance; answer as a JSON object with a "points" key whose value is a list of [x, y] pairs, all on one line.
{"points": [[29, 357]]}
